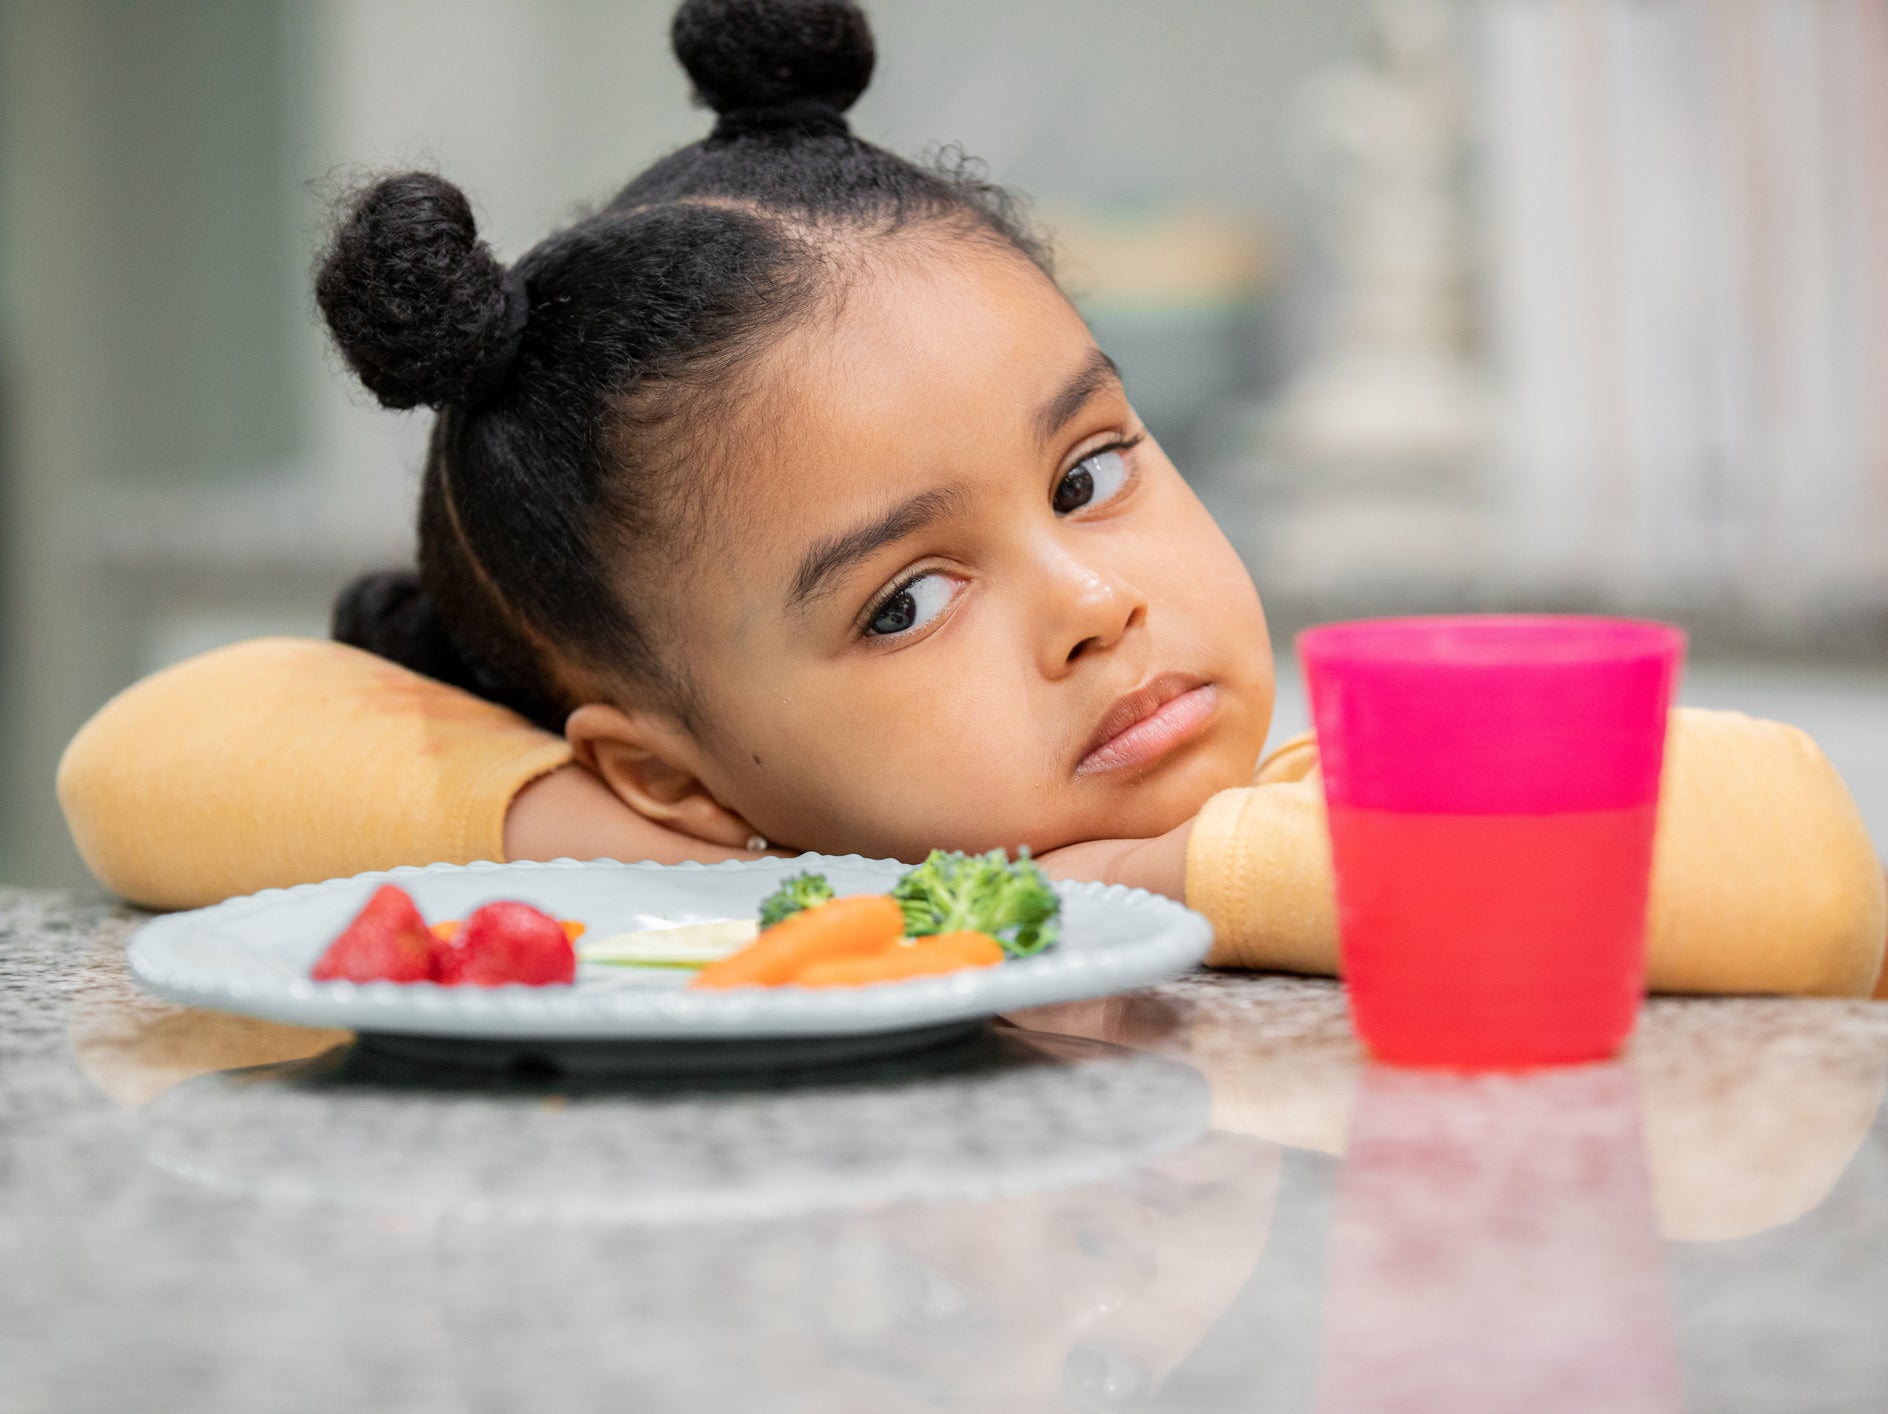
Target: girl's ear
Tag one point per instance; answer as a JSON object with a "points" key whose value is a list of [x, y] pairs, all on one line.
{"points": [[648, 763]]}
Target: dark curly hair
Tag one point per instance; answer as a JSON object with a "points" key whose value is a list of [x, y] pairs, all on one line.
{"points": [[580, 392]]}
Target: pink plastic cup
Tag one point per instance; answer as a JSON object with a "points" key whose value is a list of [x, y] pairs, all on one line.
{"points": [[1492, 785]]}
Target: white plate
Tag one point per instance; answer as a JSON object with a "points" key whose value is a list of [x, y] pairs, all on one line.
{"points": [[253, 954]]}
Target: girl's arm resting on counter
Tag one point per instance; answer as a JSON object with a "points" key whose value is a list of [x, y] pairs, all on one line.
{"points": [[1157, 864], [286, 761], [1881, 982], [1255, 861], [570, 813], [1763, 877]]}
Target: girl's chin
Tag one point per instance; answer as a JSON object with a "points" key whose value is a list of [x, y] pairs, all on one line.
{"points": [[1170, 798]]}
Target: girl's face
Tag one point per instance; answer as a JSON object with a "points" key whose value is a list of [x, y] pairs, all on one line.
{"points": [[955, 596]]}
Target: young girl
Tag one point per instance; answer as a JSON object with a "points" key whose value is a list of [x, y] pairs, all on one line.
{"points": [[787, 503]]}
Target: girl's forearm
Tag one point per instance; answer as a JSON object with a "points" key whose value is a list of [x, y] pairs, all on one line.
{"points": [[1157, 864], [569, 813]]}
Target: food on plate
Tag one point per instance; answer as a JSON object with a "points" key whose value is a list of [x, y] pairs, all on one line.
{"points": [[502, 942], [985, 893], [796, 892], [687, 945], [953, 911], [508, 942], [842, 927], [908, 957], [445, 931], [387, 942]]}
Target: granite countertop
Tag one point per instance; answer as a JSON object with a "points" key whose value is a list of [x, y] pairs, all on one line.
{"points": [[1195, 1197]]}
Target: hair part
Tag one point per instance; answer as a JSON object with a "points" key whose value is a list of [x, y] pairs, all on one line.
{"points": [[587, 397]]}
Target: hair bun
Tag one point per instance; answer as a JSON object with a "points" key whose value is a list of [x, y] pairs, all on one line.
{"points": [[769, 53], [420, 308]]}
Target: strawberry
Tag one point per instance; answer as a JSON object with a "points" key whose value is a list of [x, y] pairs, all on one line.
{"points": [[386, 942], [508, 942]]}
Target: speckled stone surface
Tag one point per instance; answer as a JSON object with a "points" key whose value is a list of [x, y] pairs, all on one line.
{"points": [[1192, 1198]]}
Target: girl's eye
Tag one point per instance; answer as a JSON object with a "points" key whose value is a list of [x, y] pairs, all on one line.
{"points": [[1096, 478], [912, 605]]}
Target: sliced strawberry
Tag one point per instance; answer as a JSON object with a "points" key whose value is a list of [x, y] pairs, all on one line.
{"points": [[387, 942], [508, 942]]}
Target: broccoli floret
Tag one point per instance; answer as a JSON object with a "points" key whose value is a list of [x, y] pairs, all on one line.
{"points": [[1013, 903], [796, 892]]}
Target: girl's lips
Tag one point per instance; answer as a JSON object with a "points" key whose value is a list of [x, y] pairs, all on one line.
{"points": [[1177, 719]]}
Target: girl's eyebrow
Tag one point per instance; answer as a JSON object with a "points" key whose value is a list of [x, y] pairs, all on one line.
{"points": [[831, 557], [1095, 374]]}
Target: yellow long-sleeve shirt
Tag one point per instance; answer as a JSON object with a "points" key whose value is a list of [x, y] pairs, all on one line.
{"points": [[284, 760]]}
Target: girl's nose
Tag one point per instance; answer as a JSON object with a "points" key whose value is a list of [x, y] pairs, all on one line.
{"points": [[1090, 610]]}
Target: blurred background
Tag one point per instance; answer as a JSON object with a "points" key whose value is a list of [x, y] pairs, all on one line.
{"points": [[1442, 304]]}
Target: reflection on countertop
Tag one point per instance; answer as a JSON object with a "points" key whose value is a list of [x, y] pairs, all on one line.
{"points": [[1194, 1197], [1494, 1248]]}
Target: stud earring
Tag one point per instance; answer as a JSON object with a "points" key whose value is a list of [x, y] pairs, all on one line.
{"points": [[757, 843]]}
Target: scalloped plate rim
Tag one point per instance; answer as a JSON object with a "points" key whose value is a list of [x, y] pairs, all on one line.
{"points": [[1177, 941]]}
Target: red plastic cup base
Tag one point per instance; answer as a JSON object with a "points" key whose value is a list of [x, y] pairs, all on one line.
{"points": [[1458, 1057], [1493, 941]]}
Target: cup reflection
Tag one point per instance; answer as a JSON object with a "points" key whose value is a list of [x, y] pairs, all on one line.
{"points": [[1495, 1248]]}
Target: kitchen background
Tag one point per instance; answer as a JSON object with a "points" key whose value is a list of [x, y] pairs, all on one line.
{"points": [[1487, 304]]}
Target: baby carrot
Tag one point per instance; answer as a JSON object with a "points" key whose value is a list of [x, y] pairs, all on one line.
{"points": [[845, 927], [919, 957]]}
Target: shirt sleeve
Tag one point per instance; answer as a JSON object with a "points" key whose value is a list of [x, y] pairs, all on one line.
{"points": [[282, 761], [1763, 878]]}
